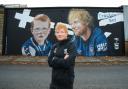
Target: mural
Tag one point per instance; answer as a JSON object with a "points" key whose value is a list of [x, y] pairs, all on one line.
{"points": [[94, 31]]}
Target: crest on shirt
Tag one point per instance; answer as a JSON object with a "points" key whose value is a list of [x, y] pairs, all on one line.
{"points": [[91, 49], [65, 51], [55, 50], [79, 51]]}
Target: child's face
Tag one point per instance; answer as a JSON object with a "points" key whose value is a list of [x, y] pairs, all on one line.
{"points": [[40, 30]]}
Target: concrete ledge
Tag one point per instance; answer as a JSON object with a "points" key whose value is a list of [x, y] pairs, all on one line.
{"points": [[79, 60]]}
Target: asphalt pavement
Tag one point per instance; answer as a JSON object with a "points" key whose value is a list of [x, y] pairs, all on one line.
{"points": [[87, 76]]}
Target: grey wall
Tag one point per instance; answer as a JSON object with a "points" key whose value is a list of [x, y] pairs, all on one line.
{"points": [[1, 28], [125, 8]]}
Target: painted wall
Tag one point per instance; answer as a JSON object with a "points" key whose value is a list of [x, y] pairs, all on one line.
{"points": [[108, 20]]}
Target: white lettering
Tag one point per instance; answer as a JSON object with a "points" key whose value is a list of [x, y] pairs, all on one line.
{"points": [[112, 20], [102, 47], [107, 15]]}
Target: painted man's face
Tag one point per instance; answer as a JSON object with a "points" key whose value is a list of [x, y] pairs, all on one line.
{"points": [[78, 27], [40, 30]]}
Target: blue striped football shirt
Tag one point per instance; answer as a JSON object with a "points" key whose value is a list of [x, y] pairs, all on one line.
{"points": [[31, 48], [96, 45]]}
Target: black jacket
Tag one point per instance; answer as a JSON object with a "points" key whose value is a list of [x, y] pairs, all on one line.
{"points": [[62, 70]]}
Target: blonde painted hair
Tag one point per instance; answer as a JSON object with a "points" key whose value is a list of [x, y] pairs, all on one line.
{"points": [[81, 14], [61, 26]]}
